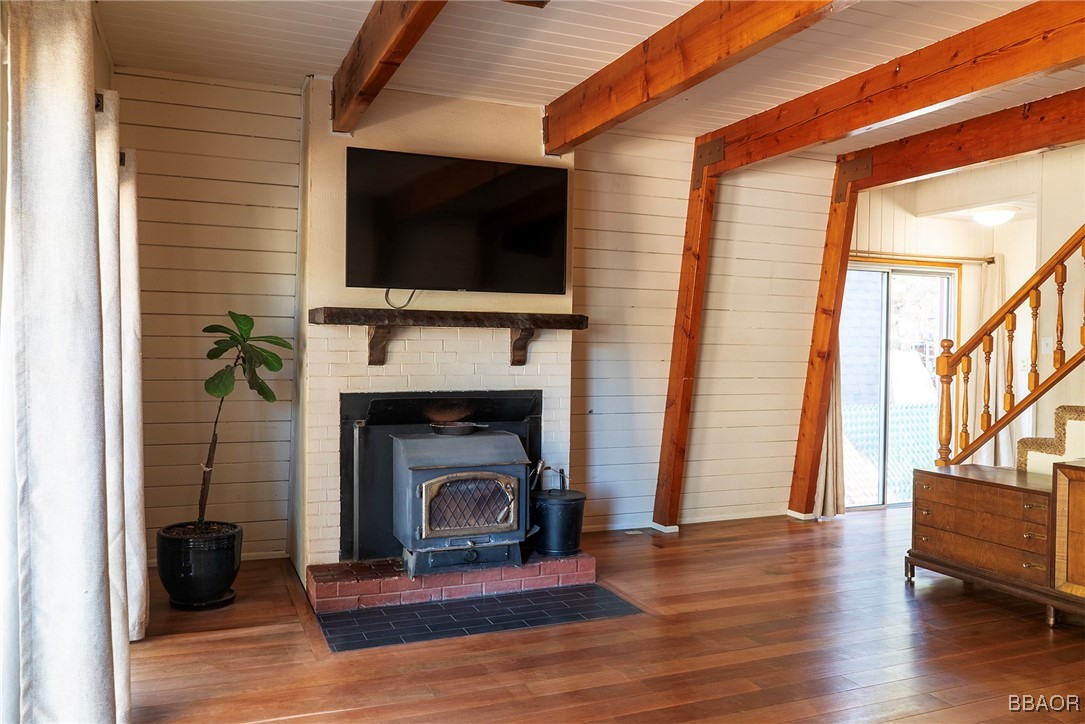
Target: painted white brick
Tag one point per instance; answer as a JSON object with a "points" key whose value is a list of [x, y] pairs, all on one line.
{"points": [[455, 370], [426, 344], [461, 345], [346, 344], [422, 360], [324, 331]]}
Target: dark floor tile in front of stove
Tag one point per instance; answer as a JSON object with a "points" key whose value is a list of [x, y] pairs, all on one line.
{"points": [[388, 625]]}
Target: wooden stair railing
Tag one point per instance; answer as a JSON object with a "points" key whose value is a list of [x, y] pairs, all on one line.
{"points": [[950, 364]]}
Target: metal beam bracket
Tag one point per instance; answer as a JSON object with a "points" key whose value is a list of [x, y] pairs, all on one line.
{"points": [[849, 171], [706, 154]]}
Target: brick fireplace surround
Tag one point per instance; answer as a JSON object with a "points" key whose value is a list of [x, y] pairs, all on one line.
{"points": [[349, 585], [418, 359]]}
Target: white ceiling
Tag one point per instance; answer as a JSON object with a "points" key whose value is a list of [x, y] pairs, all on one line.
{"points": [[507, 53], [475, 49]]}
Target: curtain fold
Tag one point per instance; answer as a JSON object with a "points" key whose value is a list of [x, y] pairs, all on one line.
{"points": [[1002, 450], [829, 494], [64, 624], [131, 351]]}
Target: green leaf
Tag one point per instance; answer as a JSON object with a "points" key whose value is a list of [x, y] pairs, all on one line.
{"points": [[243, 322], [272, 361], [266, 392], [219, 329], [272, 339], [221, 383], [227, 343], [216, 352], [251, 374], [257, 354]]}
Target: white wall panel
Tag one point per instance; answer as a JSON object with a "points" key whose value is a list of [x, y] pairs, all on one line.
{"points": [[628, 218], [218, 201], [767, 240], [766, 253]]}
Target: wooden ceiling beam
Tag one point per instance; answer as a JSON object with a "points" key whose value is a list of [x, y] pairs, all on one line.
{"points": [[1048, 123], [1037, 39], [706, 40], [389, 33]]}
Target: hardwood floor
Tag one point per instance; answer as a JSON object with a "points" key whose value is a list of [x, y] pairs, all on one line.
{"points": [[764, 620]]}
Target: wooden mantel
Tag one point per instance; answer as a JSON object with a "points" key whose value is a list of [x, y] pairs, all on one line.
{"points": [[381, 322]]}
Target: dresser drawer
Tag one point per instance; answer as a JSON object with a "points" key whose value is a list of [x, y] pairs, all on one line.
{"points": [[1010, 532], [1004, 502], [933, 488], [1022, 565]]}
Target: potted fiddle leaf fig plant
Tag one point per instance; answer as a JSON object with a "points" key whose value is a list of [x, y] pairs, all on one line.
{"points": [[198, 560]]}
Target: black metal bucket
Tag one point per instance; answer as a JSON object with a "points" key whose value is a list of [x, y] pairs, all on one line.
{"points": [[560, 517]]}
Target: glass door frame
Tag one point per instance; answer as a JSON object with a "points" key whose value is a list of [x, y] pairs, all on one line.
{"points": [[916, 267]]}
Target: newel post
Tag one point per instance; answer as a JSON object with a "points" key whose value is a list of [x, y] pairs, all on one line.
{"points": [[945, 404]]}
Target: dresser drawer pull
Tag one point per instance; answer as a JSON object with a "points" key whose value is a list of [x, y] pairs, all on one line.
{"points": [[1038, 536], [924, 538], [1037, 506], [1034, 565], [924, 511], [926, 486]]}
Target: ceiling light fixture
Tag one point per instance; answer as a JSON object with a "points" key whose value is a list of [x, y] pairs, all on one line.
{"points": [[993, 215]]}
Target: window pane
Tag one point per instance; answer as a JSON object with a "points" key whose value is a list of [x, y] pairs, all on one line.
{"points": [[862, 345], [918, 305]]}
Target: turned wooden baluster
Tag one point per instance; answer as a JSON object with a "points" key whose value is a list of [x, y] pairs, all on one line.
{"points": [[966, 369], [1034, 350], [1059, 355], [988, 347], [945, 404], [1011, 326]]}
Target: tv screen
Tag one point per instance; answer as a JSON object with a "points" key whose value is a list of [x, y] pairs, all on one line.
{"points": [[429, 222]]}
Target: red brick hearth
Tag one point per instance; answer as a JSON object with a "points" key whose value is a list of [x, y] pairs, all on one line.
{"points": [[364, 584]]}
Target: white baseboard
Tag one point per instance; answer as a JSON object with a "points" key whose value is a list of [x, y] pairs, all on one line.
{"points": [[663, 528], [802, 516]]}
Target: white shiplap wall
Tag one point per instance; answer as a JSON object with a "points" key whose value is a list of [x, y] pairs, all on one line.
{"points": [[629, 213], [766, 255], [767, 241], [218, 200]]}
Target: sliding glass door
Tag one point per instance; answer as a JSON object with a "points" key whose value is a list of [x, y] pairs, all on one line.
{"points": [[892, 323]]}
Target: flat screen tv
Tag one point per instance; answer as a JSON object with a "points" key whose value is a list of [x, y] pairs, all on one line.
{"points": [[430, 222]]}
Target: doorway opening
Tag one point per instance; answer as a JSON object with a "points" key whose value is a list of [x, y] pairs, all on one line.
{"points": [[894, 317]]}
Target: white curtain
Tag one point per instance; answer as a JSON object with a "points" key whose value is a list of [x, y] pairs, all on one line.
{"points": [[829, 494], [1002, 450], [131, 351], [72, 507]]}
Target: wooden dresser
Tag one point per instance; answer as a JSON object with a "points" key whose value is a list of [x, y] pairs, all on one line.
{"points": [[992, 526]]}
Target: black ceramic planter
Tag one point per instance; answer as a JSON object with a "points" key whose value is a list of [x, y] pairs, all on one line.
{"points": [[198, 568]]}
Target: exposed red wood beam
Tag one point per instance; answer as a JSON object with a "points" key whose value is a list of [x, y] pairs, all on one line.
{"points": [[706, 40], [823, 340], [1055, 121], [1051, 122], [389, 33], [1040, 38], [687, 329]]}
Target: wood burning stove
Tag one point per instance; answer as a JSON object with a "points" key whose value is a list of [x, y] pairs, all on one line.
{"points": [[459, 500]]}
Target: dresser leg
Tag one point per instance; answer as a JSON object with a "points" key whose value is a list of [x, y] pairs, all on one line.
{"points": [[1052, 616], [909, 570]]}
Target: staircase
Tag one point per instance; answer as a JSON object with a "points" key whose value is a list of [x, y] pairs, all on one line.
{"points": [[1038, 454], [1015, 531], [955, 369]]}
